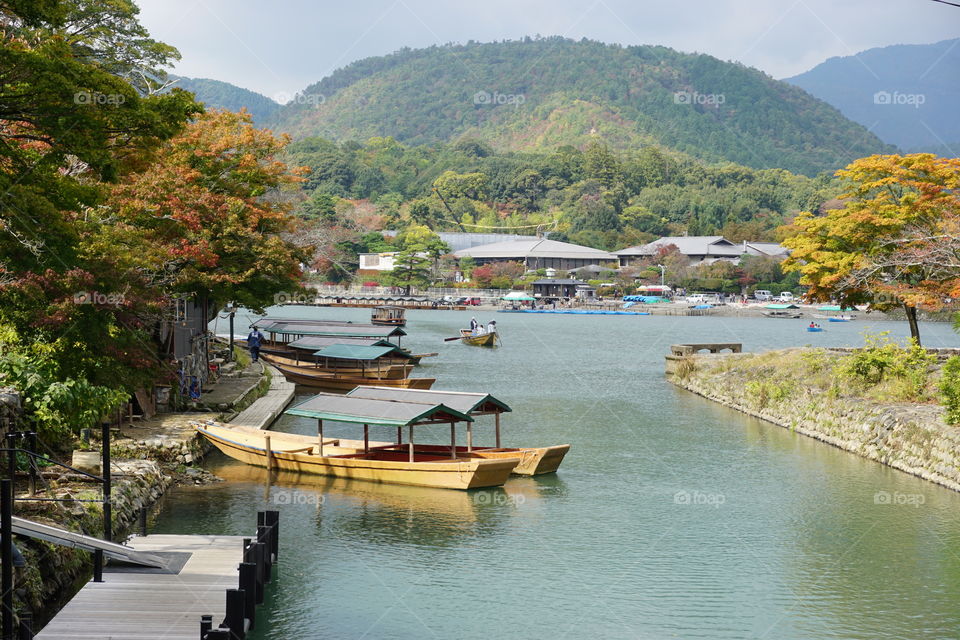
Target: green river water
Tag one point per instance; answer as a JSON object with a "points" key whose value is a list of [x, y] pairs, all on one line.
{"points": [[671, 517]]}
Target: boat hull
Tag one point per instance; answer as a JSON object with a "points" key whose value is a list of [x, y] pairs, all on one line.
{"points": [[534, 461], [392, 467], [484, 340], [336, 382]]}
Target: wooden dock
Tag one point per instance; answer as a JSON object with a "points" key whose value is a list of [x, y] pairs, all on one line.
{"points": [[138, 604], [264, 410]]}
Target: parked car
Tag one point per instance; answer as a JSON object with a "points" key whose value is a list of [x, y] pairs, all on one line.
{"points": [[762, 295], [698, 298], [786, 296]]}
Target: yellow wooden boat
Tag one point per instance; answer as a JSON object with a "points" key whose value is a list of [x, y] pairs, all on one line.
{"points": [[311, 377], [334, 457], [533, 460], [378, 371], [481, 340]]}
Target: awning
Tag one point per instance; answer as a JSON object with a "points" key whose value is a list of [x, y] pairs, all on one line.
{"points": [[312, 343], [358, 352], [348, 330], [781, 306], [834, 307], [462, 401], [331, 406], [517, 295]]}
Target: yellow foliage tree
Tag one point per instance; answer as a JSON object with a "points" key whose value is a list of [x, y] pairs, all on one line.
{"points": [[896, 242]]}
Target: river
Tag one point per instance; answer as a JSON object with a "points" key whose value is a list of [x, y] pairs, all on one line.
{"points": [[671, 517]]}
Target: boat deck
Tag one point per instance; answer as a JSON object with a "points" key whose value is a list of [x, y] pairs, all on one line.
{"points": [[144, 604]]}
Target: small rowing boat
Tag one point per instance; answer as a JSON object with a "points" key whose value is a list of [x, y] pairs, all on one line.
{"points": [[479, 340], [389, 315]]}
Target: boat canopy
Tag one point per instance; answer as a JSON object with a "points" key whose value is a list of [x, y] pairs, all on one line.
{"points": [[781, 306], [312, 343], [389, 413], [351, 330], [462, 401], [834, 307], [358, 352]]}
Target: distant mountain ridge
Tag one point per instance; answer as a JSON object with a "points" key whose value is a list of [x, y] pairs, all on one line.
{"points": [[539, 94], [223, 95], [909, 95]]}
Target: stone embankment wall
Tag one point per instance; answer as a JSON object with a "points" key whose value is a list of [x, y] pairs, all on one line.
{"points": [[910, 437]]}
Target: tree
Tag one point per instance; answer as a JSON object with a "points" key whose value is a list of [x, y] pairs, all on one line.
{"points": [[418, 259], [892, 244]]}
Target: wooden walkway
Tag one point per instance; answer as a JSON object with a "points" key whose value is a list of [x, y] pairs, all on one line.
{"points": [[154, 606], [263, 411]]}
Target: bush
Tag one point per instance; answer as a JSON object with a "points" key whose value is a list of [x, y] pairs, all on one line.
{"points": [[881, 360], [950, 389]]}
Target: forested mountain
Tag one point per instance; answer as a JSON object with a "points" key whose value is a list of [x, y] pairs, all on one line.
{"points": [[906, 94], [217, 94], [539, 94]]}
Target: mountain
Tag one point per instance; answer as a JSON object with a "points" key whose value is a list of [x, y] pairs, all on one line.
{"points": [[906, 94], [539, 94], [223, 95]]}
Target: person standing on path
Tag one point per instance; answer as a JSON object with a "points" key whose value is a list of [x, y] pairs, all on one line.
{"points": [[254, 340]]}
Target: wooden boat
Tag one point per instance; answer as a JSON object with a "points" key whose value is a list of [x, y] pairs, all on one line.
{"points": [[389, 315], [385, 371], [482, 340], [782, 314], [311, 377], [533, 460], [306, 454]]}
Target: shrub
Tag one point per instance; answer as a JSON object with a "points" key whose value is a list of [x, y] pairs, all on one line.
{"points": [[950, 389]]}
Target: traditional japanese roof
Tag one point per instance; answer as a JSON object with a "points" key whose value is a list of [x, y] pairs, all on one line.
{"points": [[689, 246], [390, 413], [535, 248], [350, 330], [462, 401], [358, 352]]}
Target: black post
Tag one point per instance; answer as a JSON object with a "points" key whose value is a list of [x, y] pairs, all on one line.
{"points": [[272, 519], [231, 335], [98, 565], [248, 584], [32, 446], [236, 603], [12, 457], [263, 538], [143, 521], [6, 556], [107, 506], [258, 553], [206, 623], [26, 626]]}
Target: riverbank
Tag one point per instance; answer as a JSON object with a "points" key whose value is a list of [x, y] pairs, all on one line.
{"points": [[803, 390], [149, 457]]}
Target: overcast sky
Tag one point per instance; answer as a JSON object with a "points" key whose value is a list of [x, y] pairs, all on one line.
{"points": [[278, 47]]}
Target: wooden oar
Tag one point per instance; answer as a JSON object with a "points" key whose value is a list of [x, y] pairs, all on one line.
{"points": [[449, 339]]}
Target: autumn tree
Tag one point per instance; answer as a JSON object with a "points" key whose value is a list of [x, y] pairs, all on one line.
{"points": [[894, 243]]}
